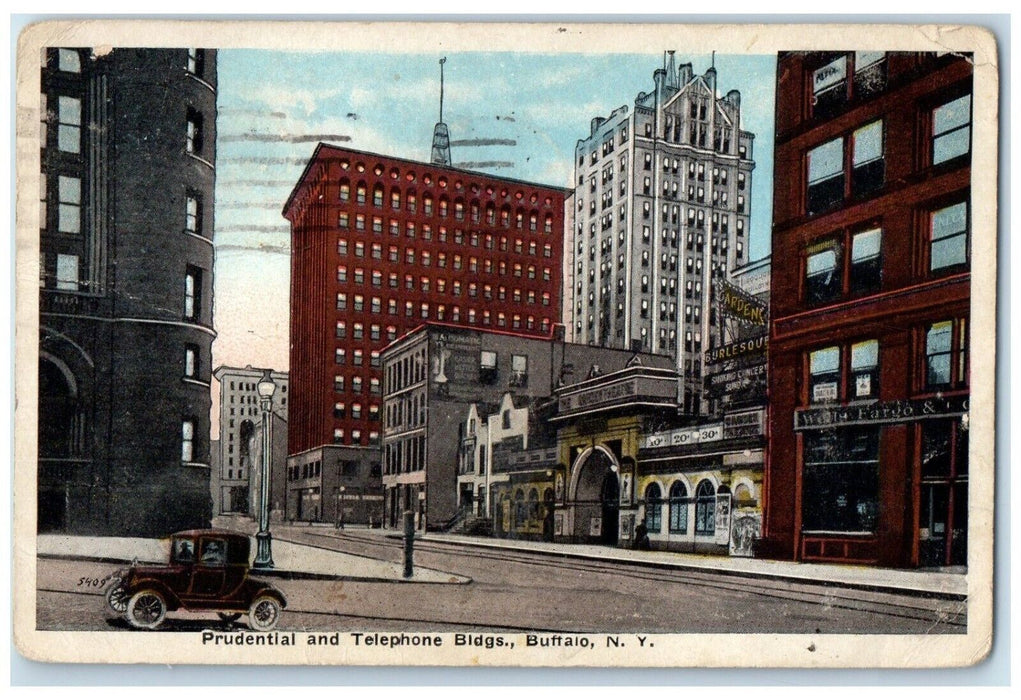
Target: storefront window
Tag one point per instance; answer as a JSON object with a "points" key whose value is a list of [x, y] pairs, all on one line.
{"points": [[653, 508], [840, 485], [705, 508], [943, 494], [678, 508]]}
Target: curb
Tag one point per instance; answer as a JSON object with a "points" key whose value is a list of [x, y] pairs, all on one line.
{"points": [[862, 586]]}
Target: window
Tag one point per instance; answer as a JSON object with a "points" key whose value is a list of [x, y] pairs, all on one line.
{"points": [[948, 236], [192, 293], [487, 367], [825, 377], [193, 213], [67, 272], [187, 440], [869, 72], [868, 168], [951, 130], [196, 61], [69, 61], [653, 508], [678, 508], [193, 141], [840, 482], [946, 358], [191, 361], [825, 276], [827, 185], [705, 508], [864, 370], [69, 124], [824, 374], [69, 193], [866, 261], [825, 176], [829, 87], [943, 516], [519, 370]]}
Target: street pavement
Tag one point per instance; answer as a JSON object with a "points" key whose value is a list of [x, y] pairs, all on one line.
{"points": [[932, 583], [291, 560], [301, 560]]}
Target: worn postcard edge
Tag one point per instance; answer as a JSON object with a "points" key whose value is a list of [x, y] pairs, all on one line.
{"points": [[671, 650]]}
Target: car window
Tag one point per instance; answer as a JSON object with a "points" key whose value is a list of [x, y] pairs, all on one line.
{"points": [[214, 552], [183, 551]]}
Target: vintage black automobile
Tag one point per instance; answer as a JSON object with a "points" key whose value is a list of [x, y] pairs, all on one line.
{"points": [[207, 572]]}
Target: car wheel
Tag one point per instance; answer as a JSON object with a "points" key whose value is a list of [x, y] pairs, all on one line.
{"points": [[117, 598], [146, 609], [264, 613], [229, 618]]}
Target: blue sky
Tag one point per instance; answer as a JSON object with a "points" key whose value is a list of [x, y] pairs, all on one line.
{"points": [[512, 114]]}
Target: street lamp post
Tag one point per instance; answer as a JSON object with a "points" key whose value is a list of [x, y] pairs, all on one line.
{"points": [[263, 539], [340, 514]]}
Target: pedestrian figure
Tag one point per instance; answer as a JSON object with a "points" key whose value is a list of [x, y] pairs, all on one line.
{"points": [[642, 536]]}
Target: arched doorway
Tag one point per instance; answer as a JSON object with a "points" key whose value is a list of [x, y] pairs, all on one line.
{"points": [[60, 439], [597, 499]]}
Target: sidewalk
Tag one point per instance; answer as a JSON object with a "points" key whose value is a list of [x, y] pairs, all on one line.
{"points": [[291, 560], [925, 583]]}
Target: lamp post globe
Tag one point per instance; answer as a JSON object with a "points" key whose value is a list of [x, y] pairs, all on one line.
{"points": [[263, 539]]}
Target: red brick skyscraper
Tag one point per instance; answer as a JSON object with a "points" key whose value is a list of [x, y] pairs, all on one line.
{"points": [[381, 245]]}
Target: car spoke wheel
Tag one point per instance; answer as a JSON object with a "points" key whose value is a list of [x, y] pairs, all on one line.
{"points": [[146, 610], [117, 598], [264, 613]]}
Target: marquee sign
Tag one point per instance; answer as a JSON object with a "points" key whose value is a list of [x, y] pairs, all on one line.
{"points": [[880, 412], [741, 305], [750, 347], [686, 436], [599, 395]]}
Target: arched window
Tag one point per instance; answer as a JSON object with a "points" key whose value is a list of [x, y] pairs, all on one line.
{"points": [[743, 496], [678, 508], [533, 504], [653, 507], [519, 508], [705, 508]]}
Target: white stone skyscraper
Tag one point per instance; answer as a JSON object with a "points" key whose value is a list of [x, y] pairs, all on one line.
{"points": [[662, 201]]}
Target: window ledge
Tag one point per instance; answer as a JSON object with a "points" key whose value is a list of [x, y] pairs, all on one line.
{"points": [[202, 160], [200, 81]]}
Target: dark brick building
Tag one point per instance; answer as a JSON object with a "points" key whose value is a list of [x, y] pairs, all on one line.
{"points": [[868, 350], [126, 234], [380, 245]]}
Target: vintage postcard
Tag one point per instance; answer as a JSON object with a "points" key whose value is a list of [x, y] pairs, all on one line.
{"points": [[505, 344]]}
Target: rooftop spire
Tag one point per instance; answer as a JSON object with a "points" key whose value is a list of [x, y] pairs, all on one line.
{"points": [[441, 137]]}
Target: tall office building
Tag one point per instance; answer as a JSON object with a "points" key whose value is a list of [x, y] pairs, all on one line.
{"points": [[661, 206], [868, 349], [126, 327], [240, 418], [381, 245]]}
